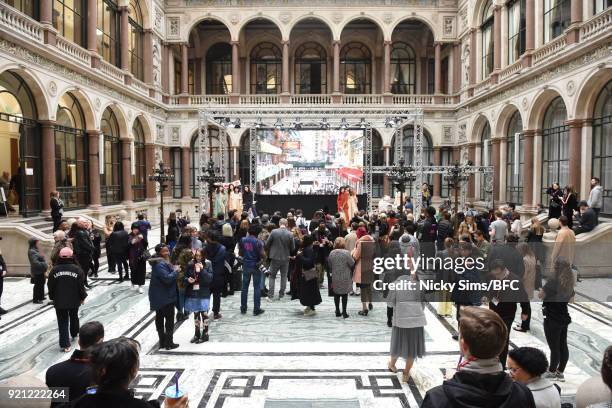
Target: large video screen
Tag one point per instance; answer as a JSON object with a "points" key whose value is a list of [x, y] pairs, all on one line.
{"points": [[309, 161]]}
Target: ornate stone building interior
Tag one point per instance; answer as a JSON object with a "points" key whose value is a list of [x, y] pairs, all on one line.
{"points": [[94, 93]]}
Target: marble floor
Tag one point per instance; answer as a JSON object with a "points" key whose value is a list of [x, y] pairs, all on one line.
{"points": [[281, 358]]}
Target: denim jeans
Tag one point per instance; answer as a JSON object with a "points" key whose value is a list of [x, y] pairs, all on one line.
{"points": [[246, 281]]}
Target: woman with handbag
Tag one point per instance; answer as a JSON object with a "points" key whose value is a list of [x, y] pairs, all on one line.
{"points": [[198, 279], [137, 256], [569, 204], [307, 284], [554, 206]]}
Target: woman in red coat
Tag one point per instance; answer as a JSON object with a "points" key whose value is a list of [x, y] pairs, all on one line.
{"points": [[342, 202]]}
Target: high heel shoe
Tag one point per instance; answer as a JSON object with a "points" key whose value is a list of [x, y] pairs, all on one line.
{"points": [[405, 377], [363, 312], [391, 367]]}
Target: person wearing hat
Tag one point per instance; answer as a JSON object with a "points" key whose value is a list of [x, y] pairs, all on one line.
{"points": [[66, 286], [587, 218]]}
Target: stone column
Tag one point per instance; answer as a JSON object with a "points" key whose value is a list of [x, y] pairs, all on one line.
{"points": [[471, 190], [184, 69], [495, 162], [46, 13], [148, 57], [336, 45], [438, 68], [437, 178], [575, 141], [235, 69], [528, 164], [47, 134], [529, 32], [126, 171], [456, 67], [150, 163], [166, 61], [93, 140], [92, 36], [387, 67], [573, 33], [472, 60], [185, 172], [285, 78], [386, 187], [497, 43], [166, 161], [124, 38], [235, 163]]}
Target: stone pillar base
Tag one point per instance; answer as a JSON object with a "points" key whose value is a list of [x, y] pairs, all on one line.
{"points": [[165, 98], [184, 99], [526, 59], [438, 99], [50, 35], [234, 99], [95, 60], [285, 97], [336, 97], [387, 98], [573, 34]]}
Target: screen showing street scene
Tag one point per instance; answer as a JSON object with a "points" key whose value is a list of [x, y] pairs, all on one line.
{"points": [[309, 161]]}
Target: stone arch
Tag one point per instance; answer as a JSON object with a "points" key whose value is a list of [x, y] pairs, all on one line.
{"points": [[478, 126], [503, 119], [124, 130], [44, 109], [146, 13], [86, 106], [330, 25], [478, 11], [146, 127], [270, 19], [586, 95], [421, 19], [539, 105], [208, 17], [373, 19]]}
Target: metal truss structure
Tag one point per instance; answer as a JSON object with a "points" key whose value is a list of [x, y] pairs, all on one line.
{"points": [[205, 156]]}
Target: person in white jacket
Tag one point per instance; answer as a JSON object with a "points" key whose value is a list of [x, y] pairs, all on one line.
{"points": [[526, 366], [596, 196]]}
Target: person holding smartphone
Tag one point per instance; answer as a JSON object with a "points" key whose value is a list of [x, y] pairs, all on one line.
{"points": [[198, 278]]}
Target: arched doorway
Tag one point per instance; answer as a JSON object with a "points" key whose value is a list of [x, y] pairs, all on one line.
{"points": [[310, 69], [602, 145], [71, 169], [139, 173], [355, 69], [110, 179], [20, 145], [514, 165], [555, 147], [266, 64]]}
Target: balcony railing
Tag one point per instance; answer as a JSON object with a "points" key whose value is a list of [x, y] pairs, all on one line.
{"points": [[550, 49], [600, 23], [112, 71], [483, 85], [140, 86], [412, 99], [310, 99], [363, 99], [73, 50], [13, 20], [511, 70]]}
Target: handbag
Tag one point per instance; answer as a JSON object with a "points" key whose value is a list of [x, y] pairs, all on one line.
{"points": [[309, 274], [144, 255]]}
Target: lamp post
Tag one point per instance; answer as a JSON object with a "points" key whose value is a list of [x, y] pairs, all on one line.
{"points": [[399, 175], [210, 177], [162, 175], [455, 176]]}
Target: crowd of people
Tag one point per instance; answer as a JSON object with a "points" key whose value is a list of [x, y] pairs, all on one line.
{"points": [[200, 264]]}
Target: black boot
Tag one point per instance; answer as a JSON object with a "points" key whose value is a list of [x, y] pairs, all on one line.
{"points": [[162, 339], [204, 337], [196, 336], [170, 345]]}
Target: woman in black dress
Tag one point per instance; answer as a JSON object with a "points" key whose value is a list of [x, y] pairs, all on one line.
{"points": [[137, 258], [307, 283], [569, 204], [248, 201], [554, 206]]}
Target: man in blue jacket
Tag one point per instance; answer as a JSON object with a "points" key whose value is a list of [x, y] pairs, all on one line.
{"points": [[163, 295], [252, 251], [215, 252]]}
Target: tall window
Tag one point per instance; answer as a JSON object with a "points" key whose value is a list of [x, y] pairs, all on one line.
{"points": [[486, 31], [601, 5], [516, 30], [403, 69], [69, 19], [557, 17], [266, 68], [139, 176], [446, 159], [355, 69], [514, 165], [136, 41], [110, 180], [555, 142], [485, 157], [602, 145], [29, 7], [108, 31], [191, 76], [219, 69], [310, 69], [177, 165], [408, 151], [177, 77], [71, 172]]}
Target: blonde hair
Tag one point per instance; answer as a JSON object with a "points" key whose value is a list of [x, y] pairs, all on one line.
{"points": [[339, 243], [536, 226]]}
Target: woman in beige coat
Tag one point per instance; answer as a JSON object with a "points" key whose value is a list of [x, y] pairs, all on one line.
{"points": [[363, 250], [235, 200]]}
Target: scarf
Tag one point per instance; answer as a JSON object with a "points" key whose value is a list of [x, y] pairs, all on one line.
{"points": [[481, 366]]}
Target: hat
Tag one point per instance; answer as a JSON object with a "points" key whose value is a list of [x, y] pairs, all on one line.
{"points": [[227, 230], [65, 252], [361, 231]]}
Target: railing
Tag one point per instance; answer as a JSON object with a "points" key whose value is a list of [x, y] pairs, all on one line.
{"points": [[600, 23], [483, 86], [412, 99], [259, 99], [310, 99], [73, 50], [209, 99], [140, 86], [14, 20], [548, 50], [112, 71], [511, 70], [365, 99]]}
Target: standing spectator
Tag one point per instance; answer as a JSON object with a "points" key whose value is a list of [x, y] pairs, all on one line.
{"points": [[215, 252], [109, 224], [407, 336], [173, 233], [75, 373], [529, 280], [554, 206], [279, 247], [596, 196], [341, 263], [96, 241], [472, 275], [555, 296], [498, 229], [322, 246], [252, 251], [596, 392], [429, 233], [57, 209], [181, 256], [565, 243], [587, 219], [67, 291], [445, 230], [60, 241], [534, 238], [144, 226], [511, 259], [197, 293], [137, 256], [569, 204], [227, 240], [363, 252], [82, 246], [482, 244], [425, 195], [516, 227], [480, 381], [38, 268], [162, 295], [3, 272], [118, 244], [248, 201], [307, 285], [526, 366]]}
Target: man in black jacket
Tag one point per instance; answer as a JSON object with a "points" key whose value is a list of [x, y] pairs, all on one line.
{"points": [[75, 373], [587, 219], [507, 252], [480, 380], [67, 291], [83, 247]]}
